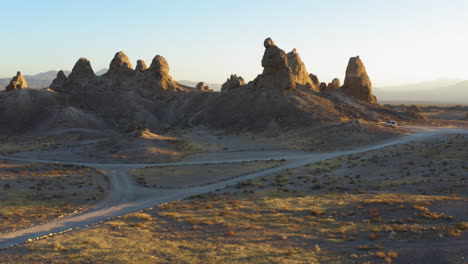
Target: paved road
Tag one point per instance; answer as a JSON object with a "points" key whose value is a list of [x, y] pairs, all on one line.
{"points": [[127, 196]]}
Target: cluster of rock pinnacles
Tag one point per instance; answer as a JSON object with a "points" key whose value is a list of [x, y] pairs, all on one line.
{"points": [[281, 71]]}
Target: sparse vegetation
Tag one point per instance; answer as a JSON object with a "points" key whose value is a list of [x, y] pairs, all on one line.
{"points": [[363, 214], [195, 175], [35, 193]]}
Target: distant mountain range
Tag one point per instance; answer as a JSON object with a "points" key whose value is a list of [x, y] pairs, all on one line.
{"points": [[450, 91]]}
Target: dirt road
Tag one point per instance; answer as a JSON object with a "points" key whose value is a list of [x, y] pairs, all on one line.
{"points": [[127, 196]]}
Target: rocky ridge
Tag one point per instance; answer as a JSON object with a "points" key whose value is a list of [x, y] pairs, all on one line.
{"points": [[284, 96]]}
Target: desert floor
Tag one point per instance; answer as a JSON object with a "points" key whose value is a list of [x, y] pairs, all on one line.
{"points": [[212, 198]]}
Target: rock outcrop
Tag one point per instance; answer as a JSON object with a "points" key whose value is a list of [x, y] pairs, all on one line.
{"points": [[158, 74], [323, 86], [141, 66], [298, 68], [276, 73], [201, 87], [59, 81], [335, 84], [17, 82], [120, 65], [315, 80], [357, 82], [81, 71], [232, 82]]}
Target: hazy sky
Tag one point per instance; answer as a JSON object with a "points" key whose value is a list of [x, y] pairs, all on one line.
{"points": [[399, 41]]}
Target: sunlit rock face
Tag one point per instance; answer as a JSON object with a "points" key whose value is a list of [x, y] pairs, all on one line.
{"points": [[232, 82], [357, 82], [120, 66], [141, 66], [276, 73], [298, 68], [17, 82]]}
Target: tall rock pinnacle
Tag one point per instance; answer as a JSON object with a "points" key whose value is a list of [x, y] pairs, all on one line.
{"points": [[59, 81], [141, 66], [17, 82], [276, 73], [159, 71], [120, 65], [82, 70], [357, 82], [299, 70]]}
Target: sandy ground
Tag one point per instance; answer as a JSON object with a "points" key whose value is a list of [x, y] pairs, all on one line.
{"points": [[403, 203], [127, 196]]}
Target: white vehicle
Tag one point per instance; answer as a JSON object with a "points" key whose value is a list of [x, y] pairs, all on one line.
{"points": [[391, 123]]}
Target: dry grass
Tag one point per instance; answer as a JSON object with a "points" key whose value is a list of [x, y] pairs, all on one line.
{"points": [[35, 193], [193, 175], [285, 218], [11, 144]]}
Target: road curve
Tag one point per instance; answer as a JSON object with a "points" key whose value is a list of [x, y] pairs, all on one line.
{"points": [[126, 196]]}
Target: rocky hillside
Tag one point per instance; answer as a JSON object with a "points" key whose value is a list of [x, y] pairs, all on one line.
{"points": [[284, 96]]}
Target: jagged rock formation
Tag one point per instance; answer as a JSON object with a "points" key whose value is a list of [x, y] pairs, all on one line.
{"points": [[335, 84], [120, 66], [141, 66], [315, 80], [158, 74], [232, 82], [298, 68], [323, 86], [17, 82], [276, 73], [357, 82], [59, 81], [201, 87], [125, 99], [81, 71]]}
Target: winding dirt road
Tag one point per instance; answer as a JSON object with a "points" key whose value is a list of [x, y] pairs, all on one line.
{"points": [[126, 196]]}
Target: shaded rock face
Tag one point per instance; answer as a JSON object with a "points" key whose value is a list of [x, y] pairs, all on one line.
{"points": [[232, 82], [17, 82], [276, 73], [335, 84], [323, 86], [298, 68], [201, 87], [268, 43], [120, 65], [158, 73], [81, 70], [315, 80], [141, 66], [466, 116], [59, 81], [357, 82]]}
